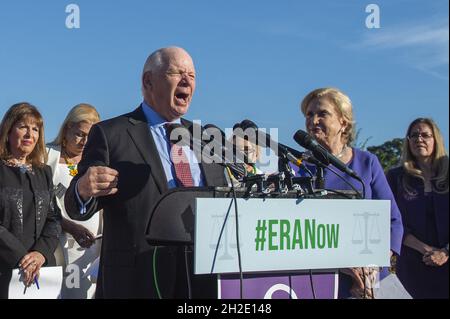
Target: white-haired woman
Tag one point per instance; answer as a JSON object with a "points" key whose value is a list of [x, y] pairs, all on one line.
{"points": [[329, 119], [79, 245]]}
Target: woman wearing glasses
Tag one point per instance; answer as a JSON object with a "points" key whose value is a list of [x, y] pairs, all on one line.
{"points": [[79, 246], [420, 186]]}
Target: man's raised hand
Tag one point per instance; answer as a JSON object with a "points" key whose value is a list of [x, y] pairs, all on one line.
{"points": [[98, 181]]}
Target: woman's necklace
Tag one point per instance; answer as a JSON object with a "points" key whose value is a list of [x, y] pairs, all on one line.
{"points": [[72, 166], [342, 151], [14, 163]]}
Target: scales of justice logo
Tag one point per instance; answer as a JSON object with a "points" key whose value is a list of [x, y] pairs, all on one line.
{"points": [[223, 236], [366, 231]]}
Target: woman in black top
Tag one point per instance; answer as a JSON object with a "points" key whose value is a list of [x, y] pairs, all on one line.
{"points": [[420, 186], [29, 218]]}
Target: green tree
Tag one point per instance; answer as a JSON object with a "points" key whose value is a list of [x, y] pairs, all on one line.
{"points": [[388, 153]]}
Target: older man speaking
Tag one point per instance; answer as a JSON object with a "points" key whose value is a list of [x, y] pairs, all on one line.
{"points": [[127, 165]]}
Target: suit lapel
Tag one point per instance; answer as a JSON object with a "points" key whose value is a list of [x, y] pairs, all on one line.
{"points": [[143, 139]]}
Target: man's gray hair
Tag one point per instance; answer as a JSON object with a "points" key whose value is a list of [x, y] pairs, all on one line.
{"points": [[157, 60], [153, 64]]}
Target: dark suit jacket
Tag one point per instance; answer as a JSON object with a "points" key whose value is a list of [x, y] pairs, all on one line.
{"points": [[126, 144], [16, 236]]}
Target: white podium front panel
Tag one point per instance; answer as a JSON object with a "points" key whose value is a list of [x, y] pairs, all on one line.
{"points": [[291, 234]]}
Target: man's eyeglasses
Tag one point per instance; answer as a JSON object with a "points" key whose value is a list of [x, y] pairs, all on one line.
{"points": [[415, 136]]}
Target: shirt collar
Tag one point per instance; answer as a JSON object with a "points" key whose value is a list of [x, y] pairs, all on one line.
{"points": [[153, 118]]}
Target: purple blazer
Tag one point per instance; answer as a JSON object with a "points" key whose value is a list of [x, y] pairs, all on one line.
{"points": [[427, 218]]}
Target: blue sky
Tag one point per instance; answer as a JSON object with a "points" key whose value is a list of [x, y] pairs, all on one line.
{"points": [[254, 59]]}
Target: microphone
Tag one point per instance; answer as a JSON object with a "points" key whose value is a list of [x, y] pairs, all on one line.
{"points": [[301, 156], [214, 128], [179, 134], [261, 138], [234, 158], [293, 156], [305, 140], [228, 150], [308, 157]]}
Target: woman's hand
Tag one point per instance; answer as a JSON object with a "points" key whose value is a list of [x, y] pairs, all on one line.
{"points": [[435, 257], [412, 242], [30, 264], [80, 233], [357, 289]]}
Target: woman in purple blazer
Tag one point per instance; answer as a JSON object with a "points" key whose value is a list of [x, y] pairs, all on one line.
{"points": [[420, 186], [329, 119]]}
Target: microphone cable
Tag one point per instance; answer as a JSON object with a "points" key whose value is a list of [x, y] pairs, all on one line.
{"points": [[312, 284], [307, 170], [290, 286], [338, 193], [348, 183], [364, 279], [188, 277], [363, 186], [220, 236], [241, 279], [155, 276]]}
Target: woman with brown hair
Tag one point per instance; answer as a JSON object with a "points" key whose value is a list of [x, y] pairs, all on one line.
{"points": [[29, 217]]}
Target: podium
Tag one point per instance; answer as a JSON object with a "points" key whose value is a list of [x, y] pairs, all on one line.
{"points": [[180, 220], [172, 220]]}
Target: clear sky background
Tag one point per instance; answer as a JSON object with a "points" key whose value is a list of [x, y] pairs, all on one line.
{"points": [[254, 59]]}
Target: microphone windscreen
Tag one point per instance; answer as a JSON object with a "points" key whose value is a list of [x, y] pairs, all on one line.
{"points": [[303, 138], [245, 124]]}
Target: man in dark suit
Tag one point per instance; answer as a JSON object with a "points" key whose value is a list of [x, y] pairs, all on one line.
{"points": [[126, 167]]}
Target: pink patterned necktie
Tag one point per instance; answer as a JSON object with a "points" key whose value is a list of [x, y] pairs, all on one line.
{"points": [[180, 163]]}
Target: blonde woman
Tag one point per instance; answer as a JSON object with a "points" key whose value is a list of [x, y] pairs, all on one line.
{"points": [[329, 119], [79, 244], [420, 186]]}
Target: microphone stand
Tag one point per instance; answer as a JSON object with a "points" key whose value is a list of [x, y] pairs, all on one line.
{"points": [[320, 180], [303, 185], [284, 167]]}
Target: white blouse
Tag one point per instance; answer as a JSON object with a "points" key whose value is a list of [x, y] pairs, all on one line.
{"points": [[64, 178]]}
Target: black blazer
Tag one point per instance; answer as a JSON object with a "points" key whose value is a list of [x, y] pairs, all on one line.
{"points": [[16, 238], [126, 144]]}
